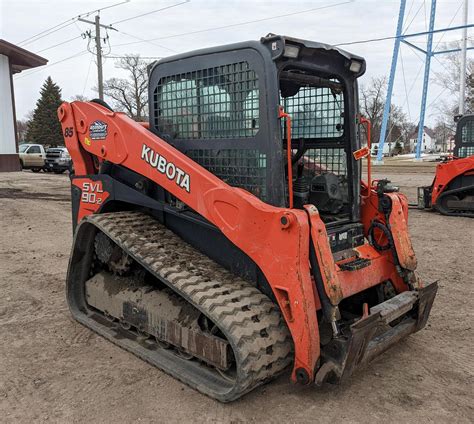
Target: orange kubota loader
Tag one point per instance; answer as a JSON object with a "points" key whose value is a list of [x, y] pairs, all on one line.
{"points": [[231, 237], [452, 190]]}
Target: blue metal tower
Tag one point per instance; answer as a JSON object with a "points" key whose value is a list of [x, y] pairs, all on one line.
{"points": [[386, 110], [428, 54], [426, 79]]}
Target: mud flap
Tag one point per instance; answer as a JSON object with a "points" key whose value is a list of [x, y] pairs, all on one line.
{"points": [[372, 335]]}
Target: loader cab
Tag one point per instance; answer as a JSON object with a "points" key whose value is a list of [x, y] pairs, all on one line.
{"points": [[220, 106], [464, 138]]}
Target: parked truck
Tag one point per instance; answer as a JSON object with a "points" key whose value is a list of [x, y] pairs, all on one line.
{"points": [[32, 156], [57, 160]]}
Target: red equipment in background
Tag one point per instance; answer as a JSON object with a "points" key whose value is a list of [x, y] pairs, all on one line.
{"points": [[452, 190]]}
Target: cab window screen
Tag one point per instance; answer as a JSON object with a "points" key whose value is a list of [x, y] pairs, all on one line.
{"points": [[466, 147], [316, 112], [220, 102], [468, 132]]}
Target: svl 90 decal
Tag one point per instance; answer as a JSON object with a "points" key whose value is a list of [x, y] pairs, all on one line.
{"points": [[92, 192], [93, 196]]}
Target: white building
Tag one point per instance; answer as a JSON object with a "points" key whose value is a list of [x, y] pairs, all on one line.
{"points": [[387, 148], [13, 59], [428, 144]]}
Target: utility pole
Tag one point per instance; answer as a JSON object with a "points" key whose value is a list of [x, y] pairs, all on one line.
{"points": [[98, 45], [462, 84], [100, 76]]}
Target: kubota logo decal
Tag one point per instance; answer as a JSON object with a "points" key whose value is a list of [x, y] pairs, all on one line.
{"points": [[172, 172]]}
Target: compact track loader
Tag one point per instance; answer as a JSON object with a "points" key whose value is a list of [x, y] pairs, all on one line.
{"points": [[231, 237], [452, 190]]}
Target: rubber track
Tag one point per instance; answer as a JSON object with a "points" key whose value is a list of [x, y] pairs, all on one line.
{"points": [[251, 322], [455, 212]]}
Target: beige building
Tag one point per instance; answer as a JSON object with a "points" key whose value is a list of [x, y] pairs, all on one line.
{"points": [[13, 59]]}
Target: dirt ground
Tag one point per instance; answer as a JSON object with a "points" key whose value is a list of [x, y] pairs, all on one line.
{"points": [[53, 369]]}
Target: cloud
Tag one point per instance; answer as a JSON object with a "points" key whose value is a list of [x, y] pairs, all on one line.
{"points": [[357, 20]]}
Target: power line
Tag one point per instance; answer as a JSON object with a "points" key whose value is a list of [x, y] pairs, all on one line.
{"points": [[141, 57], [81, 53], [147, 41], [370, 40], [87, 76], [414, 17], [63, 25], [149, 13], [47, 32], [450, 22], [59, 44], [405, 85], [393, 37], [434, 72], [409, 10], [239, 23], [102, 8]]}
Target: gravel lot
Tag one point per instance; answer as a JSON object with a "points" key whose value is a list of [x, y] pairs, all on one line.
{"points": [[53, 369]]}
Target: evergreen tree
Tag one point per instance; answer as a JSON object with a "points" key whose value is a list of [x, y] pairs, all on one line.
{"points": [[45, 128]]}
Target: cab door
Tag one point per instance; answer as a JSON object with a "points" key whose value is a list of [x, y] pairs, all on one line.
{"points": [[34, 157]]}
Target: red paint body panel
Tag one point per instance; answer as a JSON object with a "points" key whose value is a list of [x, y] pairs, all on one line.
{"points": [[447, 171], [92, 196]]}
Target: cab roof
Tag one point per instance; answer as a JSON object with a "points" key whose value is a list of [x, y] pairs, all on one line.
{"points": [[270, 44]]}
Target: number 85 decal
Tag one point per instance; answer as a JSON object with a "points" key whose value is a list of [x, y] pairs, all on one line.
{"points": [[69, 132]]}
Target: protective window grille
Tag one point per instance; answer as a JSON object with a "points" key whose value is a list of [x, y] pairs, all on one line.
{"points": [[322, 160], [237, 167], [212, 103], [315, 113], [468, 132], [464, 152]]}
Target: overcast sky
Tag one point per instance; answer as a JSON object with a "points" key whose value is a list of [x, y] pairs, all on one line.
{"points": [[343, 21]]}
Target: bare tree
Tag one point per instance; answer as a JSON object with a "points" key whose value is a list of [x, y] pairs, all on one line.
{"points": [[130, 95], [79, 98], [442, 134], [449, 79], [372, 103], [22, 128]]}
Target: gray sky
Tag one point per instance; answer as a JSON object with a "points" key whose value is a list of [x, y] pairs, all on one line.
{"points": [[353, 20]]}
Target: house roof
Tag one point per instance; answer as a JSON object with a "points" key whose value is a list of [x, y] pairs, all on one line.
{"points": [[20, 59], [427, 130]]}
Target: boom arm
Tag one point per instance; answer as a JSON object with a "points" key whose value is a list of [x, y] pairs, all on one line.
{"points": [[277, 239]]}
